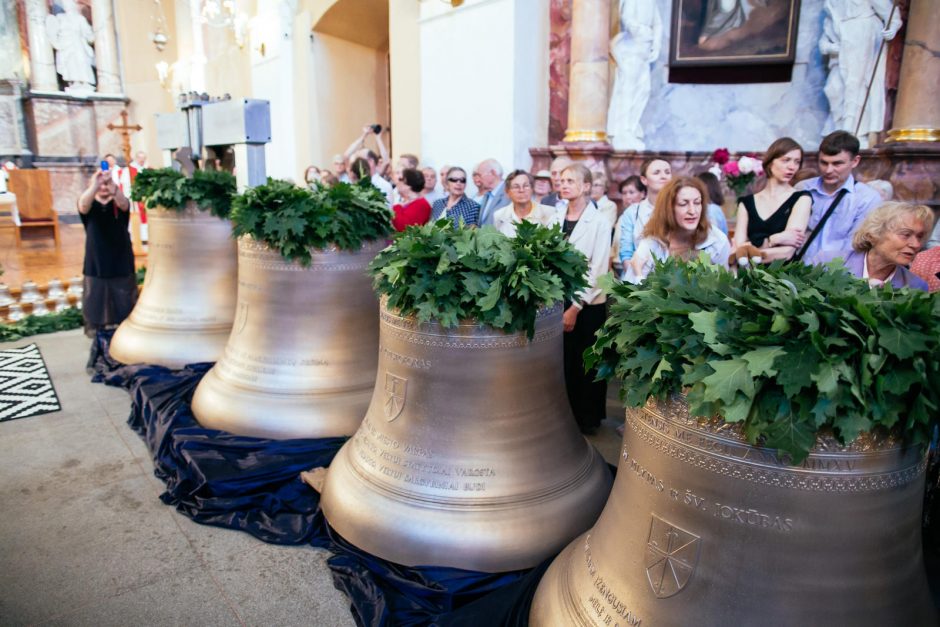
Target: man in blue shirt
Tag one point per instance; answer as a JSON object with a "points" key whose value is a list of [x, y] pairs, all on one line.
{"points": [[838, 157]]}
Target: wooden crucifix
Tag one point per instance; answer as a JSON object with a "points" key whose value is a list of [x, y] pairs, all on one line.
{"points": [[125, 130]]}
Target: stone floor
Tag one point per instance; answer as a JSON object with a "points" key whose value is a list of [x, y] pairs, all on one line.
{"points": [[85, 540]]}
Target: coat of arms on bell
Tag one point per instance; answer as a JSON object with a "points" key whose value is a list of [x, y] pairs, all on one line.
{"points": [[671, 557], [395, 389]]}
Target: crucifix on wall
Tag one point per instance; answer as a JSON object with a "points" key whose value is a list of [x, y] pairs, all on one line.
{"points": [[125, 130]]}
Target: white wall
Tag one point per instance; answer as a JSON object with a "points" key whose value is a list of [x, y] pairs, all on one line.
{"points": [[484, 81], [272, 79]]}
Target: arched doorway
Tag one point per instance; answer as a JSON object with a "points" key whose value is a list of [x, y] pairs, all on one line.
{"points": [[346, 75]]}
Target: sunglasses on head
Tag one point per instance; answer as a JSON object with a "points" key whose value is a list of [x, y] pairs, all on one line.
{"points": [[453, 180]]}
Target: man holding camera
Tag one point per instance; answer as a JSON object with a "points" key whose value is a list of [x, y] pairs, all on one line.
{"points": [[376, 163], [110, 287]]}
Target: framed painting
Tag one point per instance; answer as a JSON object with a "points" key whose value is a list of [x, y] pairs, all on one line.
{"points": [[714, 33]]}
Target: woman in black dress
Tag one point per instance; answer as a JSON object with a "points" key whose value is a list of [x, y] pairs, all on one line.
{"points": [[775, 218], [110, 287]]}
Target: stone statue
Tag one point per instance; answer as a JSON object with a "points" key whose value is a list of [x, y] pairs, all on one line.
{"points": [[71, 36], [852, 33], [634, 48]]}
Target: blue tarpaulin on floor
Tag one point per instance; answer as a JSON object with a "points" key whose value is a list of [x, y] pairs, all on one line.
{"points": [[253, 485]]}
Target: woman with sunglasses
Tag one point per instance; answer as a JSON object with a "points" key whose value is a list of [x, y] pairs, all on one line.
{"points": [[519, 186], [456, 206]]}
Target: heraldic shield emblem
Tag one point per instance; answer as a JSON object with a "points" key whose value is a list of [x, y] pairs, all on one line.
{"points": [[671, 556], [395, 390]]}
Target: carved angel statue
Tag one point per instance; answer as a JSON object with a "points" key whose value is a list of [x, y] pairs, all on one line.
{"points": [[852, 34], [71, 36], [634, 48]]}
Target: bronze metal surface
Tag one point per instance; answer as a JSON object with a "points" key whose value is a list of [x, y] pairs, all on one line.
{"points": [[703, 529], [185, 312], [469, 456], [300, 361]]}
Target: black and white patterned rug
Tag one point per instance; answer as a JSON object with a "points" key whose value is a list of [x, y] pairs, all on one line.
{"points": [[25, 386]]}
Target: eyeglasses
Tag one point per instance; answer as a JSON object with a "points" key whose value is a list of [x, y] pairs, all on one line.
{"points": [[519, 188], [452, 180]]}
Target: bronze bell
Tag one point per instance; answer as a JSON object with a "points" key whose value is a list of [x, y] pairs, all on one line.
{"points": [[300, 362], [185, 312], [5, 298], [30, 292], [469, 456], [703, 529]]}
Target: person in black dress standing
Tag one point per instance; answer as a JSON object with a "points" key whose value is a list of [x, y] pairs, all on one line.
{"points": [[774, 219], [110, 286]]}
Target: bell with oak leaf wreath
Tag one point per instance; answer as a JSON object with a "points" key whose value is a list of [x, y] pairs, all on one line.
{"points": [[469, 456], [702, 528], [185, 311]]}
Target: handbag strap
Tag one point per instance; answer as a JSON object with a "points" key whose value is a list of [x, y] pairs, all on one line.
{"points": [[812, 236]]}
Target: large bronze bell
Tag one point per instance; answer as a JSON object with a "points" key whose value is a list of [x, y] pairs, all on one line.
{"points": [[703, 529], [187, 306], [300, 361], [469, 456]]}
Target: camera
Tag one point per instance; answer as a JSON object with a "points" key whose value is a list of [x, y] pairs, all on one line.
{"points": [[376, 128]]}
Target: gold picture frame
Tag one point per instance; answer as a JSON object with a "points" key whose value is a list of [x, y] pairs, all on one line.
{"points": [[717, 33]]}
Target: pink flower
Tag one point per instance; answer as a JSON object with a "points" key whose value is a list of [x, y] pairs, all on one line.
{"points": [[731, 168], [721, 156]]}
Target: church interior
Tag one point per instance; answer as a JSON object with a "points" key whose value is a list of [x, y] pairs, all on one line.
{"points": [[270, 436]]}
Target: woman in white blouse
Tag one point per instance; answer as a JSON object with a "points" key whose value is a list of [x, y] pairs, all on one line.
{"points": [[519, 185], [678, 227], [589, 232]]}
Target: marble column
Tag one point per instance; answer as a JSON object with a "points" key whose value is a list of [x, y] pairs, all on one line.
{"points": [[106, 55], [588, 91], [42, 74], [917, 115]]}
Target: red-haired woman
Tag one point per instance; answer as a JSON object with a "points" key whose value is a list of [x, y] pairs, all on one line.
{"points": [[680, 228]]}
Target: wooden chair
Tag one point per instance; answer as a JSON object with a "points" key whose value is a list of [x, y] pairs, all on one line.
{"points": [[34, 202]]}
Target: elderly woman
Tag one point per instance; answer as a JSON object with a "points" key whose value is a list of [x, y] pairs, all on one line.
{"points": [[680, 228], [456, 206], [519, 186], [588, 231], [885, 243]]}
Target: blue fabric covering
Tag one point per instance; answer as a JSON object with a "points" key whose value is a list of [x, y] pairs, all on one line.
{"points": [[252, 484]]}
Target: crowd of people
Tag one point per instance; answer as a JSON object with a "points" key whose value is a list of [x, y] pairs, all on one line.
{"points": [[797, 215]]}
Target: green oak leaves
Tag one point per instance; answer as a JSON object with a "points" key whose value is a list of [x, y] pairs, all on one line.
{"points": [[448, 274], [786, 350]]}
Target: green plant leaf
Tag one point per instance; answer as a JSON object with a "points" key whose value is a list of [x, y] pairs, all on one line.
{"points": [[730, 377]]}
